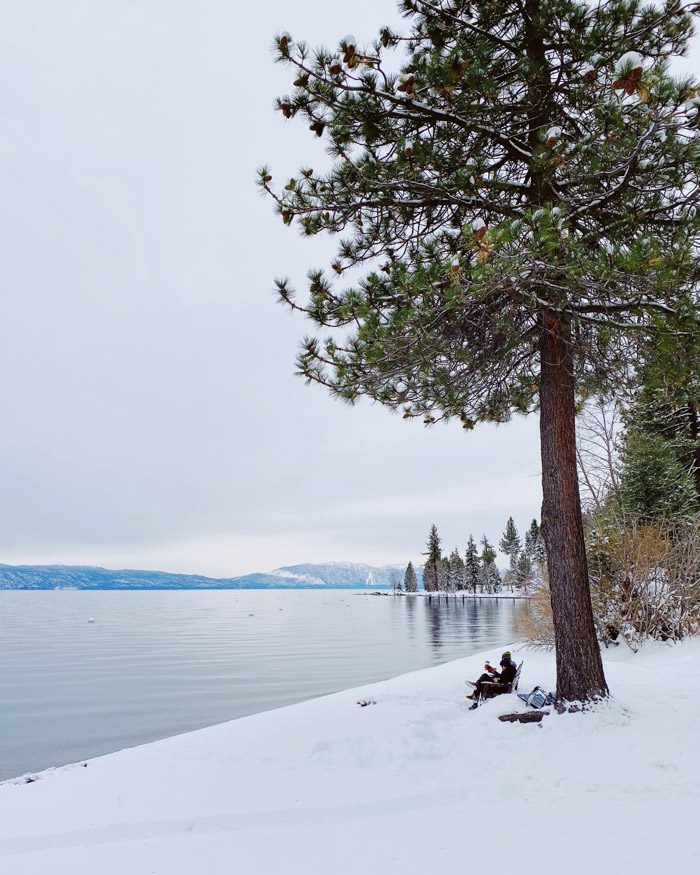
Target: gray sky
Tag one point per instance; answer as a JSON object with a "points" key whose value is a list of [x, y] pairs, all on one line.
{"points": [[150, 416]]}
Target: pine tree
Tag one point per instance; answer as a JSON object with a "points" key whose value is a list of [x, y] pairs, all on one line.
{"points": [[444, 575], [522, 573], [510, 543], [660, 449], [496, 579], [528, 189], [488, 554], [669, 413], [670, 395], [471, 566], [534, 542], [653, 482], [489, 575], [456, 580], [432, 570], [410, 584]]}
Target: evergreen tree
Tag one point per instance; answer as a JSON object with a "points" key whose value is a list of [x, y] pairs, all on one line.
{"points": [[510, 543], [471, 566], [528, 189], [456, 580], [490, 577], [671, 394], [669, 413], [432, 570], [488, 554], [653, 481], [522, 573], [410, 583], [444, 576], [534, 542], [497, 580]]}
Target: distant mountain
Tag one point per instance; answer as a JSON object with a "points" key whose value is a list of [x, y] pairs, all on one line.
{"points": [[332, 575]]}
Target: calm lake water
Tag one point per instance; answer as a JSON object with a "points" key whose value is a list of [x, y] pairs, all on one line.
{"points": [[155, 664]]}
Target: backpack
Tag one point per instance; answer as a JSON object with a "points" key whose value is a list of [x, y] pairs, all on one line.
{"points": [[538, 698]]}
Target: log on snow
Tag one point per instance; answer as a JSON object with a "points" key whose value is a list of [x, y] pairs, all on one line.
{"points": [[524, 717]]}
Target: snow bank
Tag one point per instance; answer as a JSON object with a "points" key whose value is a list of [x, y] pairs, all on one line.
{"points": [[413, 784]]}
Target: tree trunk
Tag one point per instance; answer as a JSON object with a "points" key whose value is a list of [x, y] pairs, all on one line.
{"points": [[579, 666]]}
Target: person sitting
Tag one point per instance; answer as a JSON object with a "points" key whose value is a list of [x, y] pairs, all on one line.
{"points": [[494, 682]]}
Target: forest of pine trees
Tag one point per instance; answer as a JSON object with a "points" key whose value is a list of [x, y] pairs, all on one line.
{"points": [[475, 570]]}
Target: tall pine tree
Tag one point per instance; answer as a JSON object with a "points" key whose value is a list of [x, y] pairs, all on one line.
{"points": [[534, 542], [456, 581], [471, 566], [522, 197], [489, 574], [510, 543], [432, 570]]}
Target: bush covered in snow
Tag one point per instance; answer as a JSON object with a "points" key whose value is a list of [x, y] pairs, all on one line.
{"points": [[645, 579], [645, 584]]}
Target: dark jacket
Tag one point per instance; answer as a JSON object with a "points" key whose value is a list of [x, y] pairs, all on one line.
{"points": [[507, 674]]}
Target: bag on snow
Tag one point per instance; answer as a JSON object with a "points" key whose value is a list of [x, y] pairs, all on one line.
{"points": [[538, 698]]}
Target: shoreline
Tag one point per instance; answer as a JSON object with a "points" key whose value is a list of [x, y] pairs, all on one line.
{"points": [[157, 664], [451, 595], [395, 786], [359, 589]]}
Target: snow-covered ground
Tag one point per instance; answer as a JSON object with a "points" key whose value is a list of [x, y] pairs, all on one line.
{"points": [[412, 784]]}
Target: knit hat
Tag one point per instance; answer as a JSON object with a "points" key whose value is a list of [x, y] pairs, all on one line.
{"points": [[506, 655]]}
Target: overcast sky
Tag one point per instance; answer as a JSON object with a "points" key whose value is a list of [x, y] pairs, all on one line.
{"points": [[150, 413]]}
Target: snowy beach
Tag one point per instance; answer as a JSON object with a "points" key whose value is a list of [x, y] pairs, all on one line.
{"points": [[412, 784]]}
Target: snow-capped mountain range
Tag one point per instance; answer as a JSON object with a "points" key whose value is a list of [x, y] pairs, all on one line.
{"points": [[332, 575]]}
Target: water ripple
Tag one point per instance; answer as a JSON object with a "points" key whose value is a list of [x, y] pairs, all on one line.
{"points": [[156, 663]]}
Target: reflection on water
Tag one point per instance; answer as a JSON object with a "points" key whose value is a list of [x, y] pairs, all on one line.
{"points": [[157, 663], [455, 621]]}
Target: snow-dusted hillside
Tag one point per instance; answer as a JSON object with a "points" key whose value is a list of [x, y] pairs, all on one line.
{"points": [[413, 784], [339, 574], [331, 574]]}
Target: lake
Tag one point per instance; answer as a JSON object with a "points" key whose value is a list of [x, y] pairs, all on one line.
{"points": [[157, 663]]}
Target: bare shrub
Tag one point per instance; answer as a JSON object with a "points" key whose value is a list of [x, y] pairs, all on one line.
{"points": [[645, 584], [645, 579], [597, 450], [534, 622]]}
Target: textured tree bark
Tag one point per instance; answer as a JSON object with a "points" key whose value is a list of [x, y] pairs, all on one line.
{"points": [[580, 674]]}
